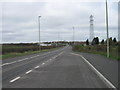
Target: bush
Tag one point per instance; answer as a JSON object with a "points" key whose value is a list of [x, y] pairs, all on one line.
{"points": [[22, 48]]}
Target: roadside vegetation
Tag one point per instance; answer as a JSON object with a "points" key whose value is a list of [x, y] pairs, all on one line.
{"points": [[20, 49], [97, 47]]}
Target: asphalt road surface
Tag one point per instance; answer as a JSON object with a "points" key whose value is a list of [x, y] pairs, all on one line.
{"points": [[60, 68]]}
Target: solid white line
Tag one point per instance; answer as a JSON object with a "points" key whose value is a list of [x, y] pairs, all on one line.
{"points": [[33, 57], [22, 59], [26, 59], [37, 66], [15, 79], [47, 61], [5, 64], [28, 71], [43, 63], [109, 84], [14, 62]]}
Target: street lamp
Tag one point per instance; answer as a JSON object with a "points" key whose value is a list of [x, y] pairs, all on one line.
{"points": [[73, 35], [39, 31], [108, 51]]}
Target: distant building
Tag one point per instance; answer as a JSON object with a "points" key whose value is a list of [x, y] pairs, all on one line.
{"points": [[42, 44]]}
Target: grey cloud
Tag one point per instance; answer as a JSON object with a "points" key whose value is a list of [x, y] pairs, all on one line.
{"points": [[20, 21]]}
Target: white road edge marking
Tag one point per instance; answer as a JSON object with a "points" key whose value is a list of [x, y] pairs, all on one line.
{"points": [[43, 63], [22, 59], [15, 79], [19, 60], [14, 62], [28, 71], [109, 84], [37, 66]]}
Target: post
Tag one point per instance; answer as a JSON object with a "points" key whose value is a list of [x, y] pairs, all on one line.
{"points": [[108, 51], [39, 31], [73, 35]]}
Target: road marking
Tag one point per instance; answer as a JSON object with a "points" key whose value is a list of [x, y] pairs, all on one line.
{"points": [[43, 63], [34, 56], [29, 58], [37, 66], [22, 59], [109, 84], [4, 64], [15, 79], [47, 60], [14, 62], [28, 71]]}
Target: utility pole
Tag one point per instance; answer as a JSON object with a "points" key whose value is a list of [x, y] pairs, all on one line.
{"points": [[108, 50], [91, 29], [39, 32], [73, 35], [58, 38]]}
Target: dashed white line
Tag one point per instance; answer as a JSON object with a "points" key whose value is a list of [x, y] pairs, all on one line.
{"points": [[15, 79], [37, 67], [109, 84], [28, 71]]}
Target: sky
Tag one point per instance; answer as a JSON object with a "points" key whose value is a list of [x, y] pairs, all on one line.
{"points": [[20, 20]]}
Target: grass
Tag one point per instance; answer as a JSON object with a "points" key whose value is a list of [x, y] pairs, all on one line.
{"points": [[14, 54], [21, 48], [98, 49]]}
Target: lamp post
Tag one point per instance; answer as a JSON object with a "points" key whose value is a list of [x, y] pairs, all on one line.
{"points": [[108, 51], [39, 31], [73, 35]]}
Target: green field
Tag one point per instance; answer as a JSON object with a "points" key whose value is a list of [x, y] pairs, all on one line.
{"points": [[98, 49]]}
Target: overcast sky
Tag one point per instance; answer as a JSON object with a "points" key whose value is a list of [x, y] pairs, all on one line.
{"points": [[20, 20]]}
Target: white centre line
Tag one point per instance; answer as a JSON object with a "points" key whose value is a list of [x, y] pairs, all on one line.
{"points": [[15, 79], [37, 66], [107, 82], [28, 71]]}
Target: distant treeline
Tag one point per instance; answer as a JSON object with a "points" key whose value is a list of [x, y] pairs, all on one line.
{"points": [[95, 41], [100, 47]]}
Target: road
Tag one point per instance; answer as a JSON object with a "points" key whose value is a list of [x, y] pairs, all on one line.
{"points": [[60, 68]]}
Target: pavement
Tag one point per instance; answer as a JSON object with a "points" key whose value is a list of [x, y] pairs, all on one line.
{"points": [[60, 68]]}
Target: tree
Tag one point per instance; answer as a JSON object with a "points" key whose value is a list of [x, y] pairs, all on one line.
{"points": [[114, 40], [95, 41], [102, 42], [87, 42]]}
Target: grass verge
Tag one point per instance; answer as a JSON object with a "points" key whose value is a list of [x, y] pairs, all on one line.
{"points": [[12, 55], [98, 49]]}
